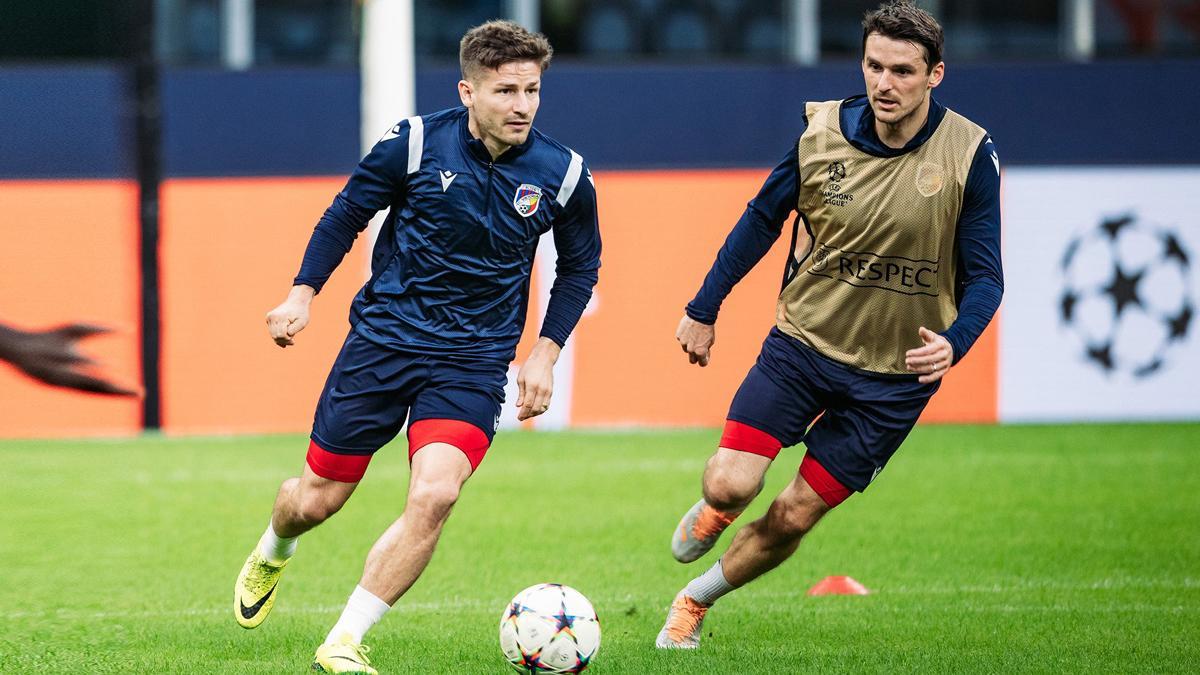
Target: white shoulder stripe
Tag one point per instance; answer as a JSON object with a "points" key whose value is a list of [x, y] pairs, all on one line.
{"points": [[570, 180], [416, 143]]}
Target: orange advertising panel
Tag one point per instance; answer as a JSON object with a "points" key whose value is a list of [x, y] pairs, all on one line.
{"points": [[230, 249], [661, 233], [69, 254], [970, 391]]}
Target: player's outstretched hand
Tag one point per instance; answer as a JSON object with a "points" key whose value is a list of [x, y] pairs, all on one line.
{"points": [[696, 339], [52, 356], [535, 380], [290, 317], [932, 359]]}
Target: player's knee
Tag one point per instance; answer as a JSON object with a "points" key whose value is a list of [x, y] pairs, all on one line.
{"points": [[315, 508], [289, 486], [727, 489], [728, 493], [433, 497]]}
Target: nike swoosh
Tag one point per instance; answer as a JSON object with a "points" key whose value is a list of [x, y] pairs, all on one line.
{"points": [[252, 611], [346, 658]]}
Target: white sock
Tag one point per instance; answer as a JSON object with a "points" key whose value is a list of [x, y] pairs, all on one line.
{"points": [[276, 549], [363, 610], [709, 586]]}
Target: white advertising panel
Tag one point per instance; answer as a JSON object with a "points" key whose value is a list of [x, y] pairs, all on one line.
{"points": [[1102, 282]]}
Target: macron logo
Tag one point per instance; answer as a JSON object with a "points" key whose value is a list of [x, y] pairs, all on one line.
{"points": [[995, 158], [447, 178], [392, 133]]}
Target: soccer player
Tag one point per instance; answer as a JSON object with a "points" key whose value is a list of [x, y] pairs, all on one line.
{"points": [[471, 190], [895, 275]]}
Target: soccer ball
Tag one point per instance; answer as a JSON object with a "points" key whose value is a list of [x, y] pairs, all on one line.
{"points": [[1127, 295], [549, 628]]}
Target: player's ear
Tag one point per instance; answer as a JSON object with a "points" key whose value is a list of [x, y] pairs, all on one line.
{"points": [[936, 73], [466, 93]]}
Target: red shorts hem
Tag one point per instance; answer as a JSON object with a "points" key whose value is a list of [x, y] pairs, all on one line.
{"points": [[342, 468], [467, 437], [822, 482], [745, 438]]}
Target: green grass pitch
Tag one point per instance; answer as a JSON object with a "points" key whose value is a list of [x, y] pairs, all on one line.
{"points": [[987, 549]]}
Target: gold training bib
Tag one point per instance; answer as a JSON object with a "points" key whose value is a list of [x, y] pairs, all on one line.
{"points": [[882, 257]]}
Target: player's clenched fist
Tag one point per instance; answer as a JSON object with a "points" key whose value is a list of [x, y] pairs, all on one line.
{"points": [[696, 339], [291, 316]]}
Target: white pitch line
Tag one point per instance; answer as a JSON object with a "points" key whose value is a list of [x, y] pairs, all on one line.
{"points": [[212, 611], [615, 602]]}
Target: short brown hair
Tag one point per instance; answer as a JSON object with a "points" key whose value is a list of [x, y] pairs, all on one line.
{"points": [[495, 43], [901, 20]]}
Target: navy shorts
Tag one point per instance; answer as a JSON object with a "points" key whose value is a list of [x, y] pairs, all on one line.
{"points": [[866, 417], [372, 390]]}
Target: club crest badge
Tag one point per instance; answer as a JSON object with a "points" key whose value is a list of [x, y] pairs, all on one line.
{"points": [[527, 200], [929, 179]]}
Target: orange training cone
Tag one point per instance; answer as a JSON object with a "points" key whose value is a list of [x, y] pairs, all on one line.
{"points": [[838, 586]]}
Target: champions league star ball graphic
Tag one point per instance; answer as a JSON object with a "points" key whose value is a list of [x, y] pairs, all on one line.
{"points": [[1127, 295]]}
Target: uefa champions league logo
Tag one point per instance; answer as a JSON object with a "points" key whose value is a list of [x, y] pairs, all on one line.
{"points": [[1127, 295]]}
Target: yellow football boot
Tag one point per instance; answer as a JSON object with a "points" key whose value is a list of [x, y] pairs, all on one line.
{"points": [[343, 656], [254, 594]]}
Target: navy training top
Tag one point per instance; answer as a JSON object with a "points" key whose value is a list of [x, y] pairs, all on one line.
{"points": [[450, 269]]}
